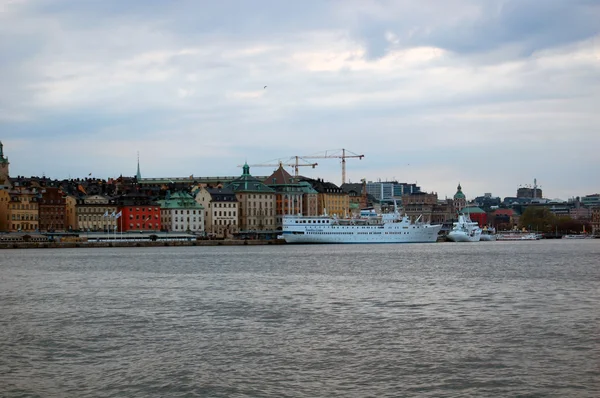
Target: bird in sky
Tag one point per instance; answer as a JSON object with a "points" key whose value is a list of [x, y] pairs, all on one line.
{"points": [[264, 87]]}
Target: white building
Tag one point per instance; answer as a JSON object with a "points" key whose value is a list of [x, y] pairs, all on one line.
{"points": [[220, 211], [179, 212]]}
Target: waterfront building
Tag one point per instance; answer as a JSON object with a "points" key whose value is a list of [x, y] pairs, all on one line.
{"points": [[95, 213], [180, 212], [71, 213], [419, 204], [331, 199], [387, 191], [596, 220], [23, 210], [357, 196], [138, 212], [291, 195], [220, 211], [4, 172], [52, 207], [256, 202], [443, 212], [476, 214], [460, 201], [4, 211]]}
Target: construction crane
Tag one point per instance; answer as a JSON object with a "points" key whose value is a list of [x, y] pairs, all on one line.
{"points": [[295, 165], [337, 153]]}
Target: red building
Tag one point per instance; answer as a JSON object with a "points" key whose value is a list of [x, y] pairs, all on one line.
{"points": [[52, 209], [476, 214], [137, 213]]}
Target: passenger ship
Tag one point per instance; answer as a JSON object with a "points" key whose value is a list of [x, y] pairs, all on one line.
{"points": [[368, 228]]}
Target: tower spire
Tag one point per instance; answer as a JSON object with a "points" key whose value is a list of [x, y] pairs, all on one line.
{"points": [[139, 174]]}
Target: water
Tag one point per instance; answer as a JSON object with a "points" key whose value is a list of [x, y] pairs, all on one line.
{"points": [[487, 319]]}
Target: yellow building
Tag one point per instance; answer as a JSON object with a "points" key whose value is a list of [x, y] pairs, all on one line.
{"points": [[331, 199], [220, 211], [256, 203], [23, 210], [94, 213], [71, 213]]}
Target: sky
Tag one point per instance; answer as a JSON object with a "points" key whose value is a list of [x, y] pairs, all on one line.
{"points": [[491, 94]]}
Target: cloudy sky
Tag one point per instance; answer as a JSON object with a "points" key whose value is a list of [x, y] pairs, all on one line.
{"points": [[489, 93]]}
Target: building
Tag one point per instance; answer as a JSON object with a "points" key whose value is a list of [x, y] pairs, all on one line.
{"points": [[23, 210], [460, 201], [137, 212], [256, 202], [52, 209], [596, 220], [220, 211], [331, 199], [591, 200], [5, 224], [505, 218], [357, 196], [476, 214], [419, 204], [4, 172], [292, 196], [71, 213], [180, 212], [387, 191], [95, 213]]}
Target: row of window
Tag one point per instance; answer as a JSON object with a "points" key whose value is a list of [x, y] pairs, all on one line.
{"points": [[223, 222], [23, 217], [188, 212], [20, 206]]}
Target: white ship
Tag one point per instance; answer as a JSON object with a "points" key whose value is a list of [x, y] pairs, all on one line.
{"points": [[368, 228], [465, 230], [518, 236], [488, 234]]}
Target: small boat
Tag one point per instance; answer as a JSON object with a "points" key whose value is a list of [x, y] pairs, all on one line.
{"points": [[518, 236], [488, 234], [465, 230], [582, 236]]}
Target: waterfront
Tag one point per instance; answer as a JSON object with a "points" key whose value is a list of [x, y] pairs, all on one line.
{"points": [[485, 319]]}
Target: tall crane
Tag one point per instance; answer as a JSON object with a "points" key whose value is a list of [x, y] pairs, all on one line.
{"points": [[337, 153], [295, 165]]}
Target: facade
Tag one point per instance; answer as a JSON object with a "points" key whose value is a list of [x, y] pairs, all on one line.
{"points": [[476, 214], [290, 195], [387, 191], [331, 199], [596, 220], [220, 211], [591, 200], [94, 213], [443, 212], [23, 210], [357, 196], [460, 201], [256, 202], [52, 210], [180, 212], [137, 212], [529, 193], [4, 211], [419, 204], [4, 175], [71, 213]]}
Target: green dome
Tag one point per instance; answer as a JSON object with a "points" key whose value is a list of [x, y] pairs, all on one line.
{"points": [[459, 194]]}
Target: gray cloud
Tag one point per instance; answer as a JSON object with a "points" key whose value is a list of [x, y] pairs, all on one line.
{"points": [[490, 94]]}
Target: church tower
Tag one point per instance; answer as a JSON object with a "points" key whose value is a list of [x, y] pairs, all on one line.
{"points": [[460, 201], [4, 180], [138, 174]]}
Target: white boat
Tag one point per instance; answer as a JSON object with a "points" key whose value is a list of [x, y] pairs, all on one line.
{"points": [[465, 230], [488, 234], [582, 236], [368, 228], [518, 236]]}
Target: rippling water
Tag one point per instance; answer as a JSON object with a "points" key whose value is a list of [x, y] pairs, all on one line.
{"points": [[488, 319]]}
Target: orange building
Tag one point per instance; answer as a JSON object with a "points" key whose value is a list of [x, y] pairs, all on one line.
{"points": [[137, 212]]}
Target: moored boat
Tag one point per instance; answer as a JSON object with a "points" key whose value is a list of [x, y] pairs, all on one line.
{"points": [[368, 228], [488, 234], [518, 236], [465, 230]]}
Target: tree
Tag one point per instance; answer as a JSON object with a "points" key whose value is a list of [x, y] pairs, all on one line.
{"points": [[538, 218]]}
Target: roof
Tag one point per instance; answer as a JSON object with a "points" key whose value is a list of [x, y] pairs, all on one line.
{"points": [[280, 176], [459, 194], [472, 210], [179, 200], [221, 195], [247, 183]]}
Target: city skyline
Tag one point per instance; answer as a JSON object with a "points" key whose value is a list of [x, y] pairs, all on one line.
{"points": [[489, 95]]}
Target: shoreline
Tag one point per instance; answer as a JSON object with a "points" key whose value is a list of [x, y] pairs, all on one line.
{"points": [[82, 245]]}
